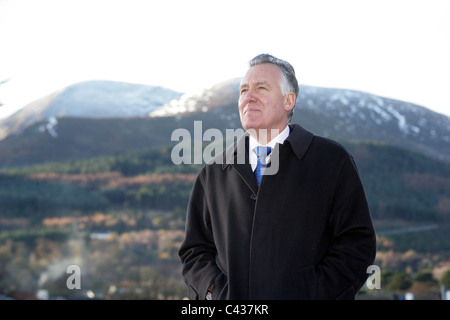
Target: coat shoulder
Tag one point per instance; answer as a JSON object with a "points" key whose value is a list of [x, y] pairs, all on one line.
{"points": [[304, 142]]}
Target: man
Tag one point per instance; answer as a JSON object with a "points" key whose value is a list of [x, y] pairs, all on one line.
{"points": [[304, 233]]}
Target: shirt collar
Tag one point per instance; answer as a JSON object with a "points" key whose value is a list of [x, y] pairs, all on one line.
{"points": [[278, 139]]}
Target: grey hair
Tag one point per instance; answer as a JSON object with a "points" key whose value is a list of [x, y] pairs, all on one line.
{"points": [[288, 82]]}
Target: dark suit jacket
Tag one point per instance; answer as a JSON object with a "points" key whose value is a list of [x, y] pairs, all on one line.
{"points": [[305, 234]]}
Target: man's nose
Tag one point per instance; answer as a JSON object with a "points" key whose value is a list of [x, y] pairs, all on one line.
{"points": [[250, 96]]}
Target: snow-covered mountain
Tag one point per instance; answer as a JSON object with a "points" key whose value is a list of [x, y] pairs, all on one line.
{"points": [[219, 95], [354, 115], [97, 118], [336, 113], [90, 99]]}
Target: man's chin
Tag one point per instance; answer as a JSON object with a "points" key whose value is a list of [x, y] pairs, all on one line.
{"points": [[253, 125]]}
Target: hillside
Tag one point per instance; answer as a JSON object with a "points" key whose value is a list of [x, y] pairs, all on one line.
{"points": [[400, 185], [336, 113], [121, 219]]}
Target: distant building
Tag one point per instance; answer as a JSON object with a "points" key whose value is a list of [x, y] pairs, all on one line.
{"points": [[101, 235]]}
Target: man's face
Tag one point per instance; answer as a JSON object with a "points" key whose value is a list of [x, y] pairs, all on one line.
{"points": [[261, 102]]}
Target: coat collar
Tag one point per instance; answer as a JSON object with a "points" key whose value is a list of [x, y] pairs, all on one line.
{"points": [[233, 154], [299, 139], [237, 155]]}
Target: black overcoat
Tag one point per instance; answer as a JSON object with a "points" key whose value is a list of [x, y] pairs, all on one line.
{"points": [[305, 233]]}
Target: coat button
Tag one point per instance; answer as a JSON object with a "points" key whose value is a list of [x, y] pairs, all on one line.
{"points": [[253, 197]]}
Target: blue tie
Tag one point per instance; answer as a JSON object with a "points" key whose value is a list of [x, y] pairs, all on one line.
{"points": [[261, 153]]}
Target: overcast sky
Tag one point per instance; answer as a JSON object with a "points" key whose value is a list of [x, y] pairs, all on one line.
{"points": [[393, 48]]}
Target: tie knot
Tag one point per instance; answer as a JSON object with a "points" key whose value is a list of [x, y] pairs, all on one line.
{"points": [[262, 152]]}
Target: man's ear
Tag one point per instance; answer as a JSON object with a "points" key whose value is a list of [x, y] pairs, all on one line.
{"points": [[289, 102]]}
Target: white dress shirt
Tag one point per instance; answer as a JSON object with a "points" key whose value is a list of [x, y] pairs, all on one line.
{"points": [[253, 143]]}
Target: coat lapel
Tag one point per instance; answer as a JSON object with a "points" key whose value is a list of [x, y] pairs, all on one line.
{"points": [[237, 154], [299, 139], [237, 157]]}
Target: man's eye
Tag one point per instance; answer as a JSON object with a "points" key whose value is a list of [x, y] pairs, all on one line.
{"points": [[243, 91]]}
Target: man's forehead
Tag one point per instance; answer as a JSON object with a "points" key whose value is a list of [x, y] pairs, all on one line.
{"points": [[262, 73], [255, 82]]}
